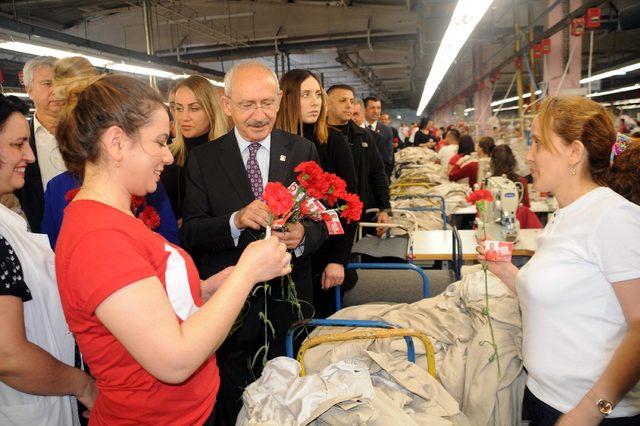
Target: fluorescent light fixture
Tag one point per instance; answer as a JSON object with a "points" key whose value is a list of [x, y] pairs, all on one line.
{"points": [[505, 109], [607, 74], [399, 117], [465, 17], [636, 106], [217, 83], [469, 110], [18, 94], [514, 98], [135, 69], [623, 102], [612, 91], [33, 49]]}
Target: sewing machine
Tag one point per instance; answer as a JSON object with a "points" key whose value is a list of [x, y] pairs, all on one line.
{"points": [[500, 214]]}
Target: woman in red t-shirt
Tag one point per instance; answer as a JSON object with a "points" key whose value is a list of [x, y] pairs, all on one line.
{"points": [[468, 168], [147, 326]]}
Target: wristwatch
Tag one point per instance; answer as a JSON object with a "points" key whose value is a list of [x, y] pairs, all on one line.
{"points": [[604, 406]]}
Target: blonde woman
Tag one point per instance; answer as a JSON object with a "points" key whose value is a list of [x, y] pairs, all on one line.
{"points": [[199, 119]]}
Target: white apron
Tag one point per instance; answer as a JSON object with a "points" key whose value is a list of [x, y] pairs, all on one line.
{"points": [[44, 324]]}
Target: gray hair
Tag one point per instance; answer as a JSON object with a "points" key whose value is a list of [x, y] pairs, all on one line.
{"points": [[228, 78], [33, 64]]}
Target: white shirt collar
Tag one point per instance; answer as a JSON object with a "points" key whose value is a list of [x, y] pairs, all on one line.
{"points": [[37, 125], [244, 144], [373, 125]]}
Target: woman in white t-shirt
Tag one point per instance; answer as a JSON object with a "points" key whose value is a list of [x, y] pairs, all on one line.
{"points": [[580, 293]]}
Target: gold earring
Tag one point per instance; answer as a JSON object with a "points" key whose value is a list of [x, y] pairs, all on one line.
{"points": [[572, 170], [118, 164]]}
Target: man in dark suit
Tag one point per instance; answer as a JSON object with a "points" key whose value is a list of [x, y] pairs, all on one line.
{"points": [[38, 82], [384, 135], [386, 120], [223, 213]]}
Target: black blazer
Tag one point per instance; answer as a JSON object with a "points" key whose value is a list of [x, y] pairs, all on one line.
{"points": [[31, 195], [217, 185]]}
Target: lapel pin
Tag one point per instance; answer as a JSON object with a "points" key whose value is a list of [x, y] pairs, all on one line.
{"points": [[283, 158]]}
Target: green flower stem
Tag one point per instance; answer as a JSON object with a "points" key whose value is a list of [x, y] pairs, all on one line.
{"points": [[486, 312]]}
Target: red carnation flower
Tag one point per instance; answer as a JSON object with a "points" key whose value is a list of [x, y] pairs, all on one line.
{"points": [[137, 202], [278, 198], [150, 217], [308, 171], [337, 188], [70, 195], [353, 209], [479, 195]]}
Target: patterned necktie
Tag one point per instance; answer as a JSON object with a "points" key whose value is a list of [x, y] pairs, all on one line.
{"points": [[253, 170]]}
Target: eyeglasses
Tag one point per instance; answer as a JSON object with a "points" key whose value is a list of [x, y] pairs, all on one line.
{"points": [[266, 105]]}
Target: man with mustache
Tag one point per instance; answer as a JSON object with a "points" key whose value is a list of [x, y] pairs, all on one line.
{"points": [[223, 212], [38, 82]]}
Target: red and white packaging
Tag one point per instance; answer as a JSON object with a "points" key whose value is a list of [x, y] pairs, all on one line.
{"points": [[498, 251], [278, 224], [315, 208], [332, 221], [297, 196]]}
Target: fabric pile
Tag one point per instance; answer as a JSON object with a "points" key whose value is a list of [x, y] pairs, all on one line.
{"points": [[415, 155], [405, 393]]}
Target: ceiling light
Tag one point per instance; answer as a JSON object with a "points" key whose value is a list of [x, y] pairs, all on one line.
{"points": [[217, 83], [515, 98], [612, 91], [623, 102], [607, 74], [18, 94], [505, 109], [135, 69], [465, 17], [636, 106], [469, 110], [32, 49]]}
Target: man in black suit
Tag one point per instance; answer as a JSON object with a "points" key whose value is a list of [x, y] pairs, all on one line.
{"points": [[223, 213], [38, 82], [372, 110], [385, 119]]}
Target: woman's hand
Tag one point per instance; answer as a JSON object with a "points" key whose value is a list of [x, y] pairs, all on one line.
{"points": [[506, 271], [583, 414], [265, 259], [332, 276]]}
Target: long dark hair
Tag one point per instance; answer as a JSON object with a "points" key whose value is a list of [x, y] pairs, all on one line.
{"points": [[503, 162], [289, 118], [466, 145]]}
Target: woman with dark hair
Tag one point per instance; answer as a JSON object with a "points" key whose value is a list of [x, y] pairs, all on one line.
{"points": [[580, 292], [624, 173], [468, 168], [38, 382], [426, 135], [303, 111], [146, 323], [504, 163], [466, 147]]}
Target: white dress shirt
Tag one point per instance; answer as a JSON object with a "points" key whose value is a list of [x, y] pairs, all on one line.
{"points": [[373, 125], [50, 160]]}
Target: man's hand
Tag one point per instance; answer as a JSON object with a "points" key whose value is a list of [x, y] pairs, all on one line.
{"points": [[255, 216], [383, 217], [292, 237], [332, 276]]}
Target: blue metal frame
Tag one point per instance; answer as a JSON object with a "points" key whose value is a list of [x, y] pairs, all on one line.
{"points": [[315, 322], [385, 266], [457, 253]]}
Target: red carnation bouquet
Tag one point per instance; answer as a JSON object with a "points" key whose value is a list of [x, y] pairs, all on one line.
{"points": [[317, 195]]}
